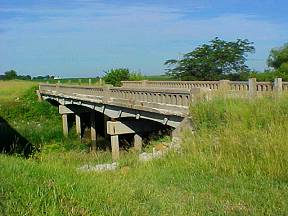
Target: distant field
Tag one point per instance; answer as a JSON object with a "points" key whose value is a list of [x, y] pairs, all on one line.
{"points": [[96, 81], [158, 77], [235, 164], [10, 90]]}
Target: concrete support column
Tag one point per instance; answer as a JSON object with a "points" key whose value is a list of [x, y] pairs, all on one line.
{"points": [[106, 118], [78, 125], [93, 131], [137, 142], [115, 147], [65, 124], [252, 87], [278, 86]]}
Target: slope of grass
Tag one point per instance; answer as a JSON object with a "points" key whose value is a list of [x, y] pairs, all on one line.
{"points": [[236, 164], [39, 122]]}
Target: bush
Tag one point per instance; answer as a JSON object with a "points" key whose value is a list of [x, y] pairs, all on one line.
{"points": [[269, 75], [115, 76]]}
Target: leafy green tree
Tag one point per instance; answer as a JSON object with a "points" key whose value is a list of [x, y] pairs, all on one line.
{"points": [[115, 76], [9, 75], [212, 61], [278, 58]]}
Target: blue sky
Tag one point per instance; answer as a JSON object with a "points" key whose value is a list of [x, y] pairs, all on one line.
{"points": [[80, 38]]}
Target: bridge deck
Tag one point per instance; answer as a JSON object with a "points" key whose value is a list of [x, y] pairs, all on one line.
{"points": [[159, 100]]}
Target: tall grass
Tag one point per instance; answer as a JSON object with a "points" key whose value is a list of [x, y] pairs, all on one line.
{"points": [[240, 136], [234, 164]]}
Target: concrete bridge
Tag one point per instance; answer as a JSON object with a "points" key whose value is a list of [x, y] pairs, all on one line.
{"points": [[139, 107], [123, 110]]}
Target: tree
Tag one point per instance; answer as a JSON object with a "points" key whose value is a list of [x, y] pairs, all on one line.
{"points": [[212, 61], [9, 75], [115, 76], [278, 58]]}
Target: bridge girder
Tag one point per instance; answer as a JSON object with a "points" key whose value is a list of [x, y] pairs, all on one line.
{"points": [[115, 112]]}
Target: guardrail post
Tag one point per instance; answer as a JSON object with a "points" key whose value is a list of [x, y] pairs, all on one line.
{"points": [[144, 83], [252, 87], [277, 87], [224, 85], [106, 94]]}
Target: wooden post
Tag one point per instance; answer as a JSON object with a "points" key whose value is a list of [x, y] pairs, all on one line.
{"points": [[115, 147], [78, 125], [252, 88], [277, 88], [137, 142], [93, 131], [65, 124]]}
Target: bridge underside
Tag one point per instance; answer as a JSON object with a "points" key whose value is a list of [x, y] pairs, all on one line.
{"points": [[112, 120]]}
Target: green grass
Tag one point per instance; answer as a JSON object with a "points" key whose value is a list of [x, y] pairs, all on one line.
{"points": [[235, 164], [11, 90], [39, 122]]}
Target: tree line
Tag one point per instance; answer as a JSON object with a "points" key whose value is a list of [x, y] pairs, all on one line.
{"points": [[12, 75]]}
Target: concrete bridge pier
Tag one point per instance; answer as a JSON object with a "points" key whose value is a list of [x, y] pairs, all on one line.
{"points": [[115, 147], [78, 125], [93, 132], [65, 124], [137, 142], [129, 126]]}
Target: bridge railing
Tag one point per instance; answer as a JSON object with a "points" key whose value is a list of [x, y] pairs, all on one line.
{"points": [[72, 89], [172, 84], [178, 97], [249, 85]]}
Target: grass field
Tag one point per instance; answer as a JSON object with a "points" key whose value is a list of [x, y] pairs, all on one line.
{"points": [[11, 90], [235, 164]]}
